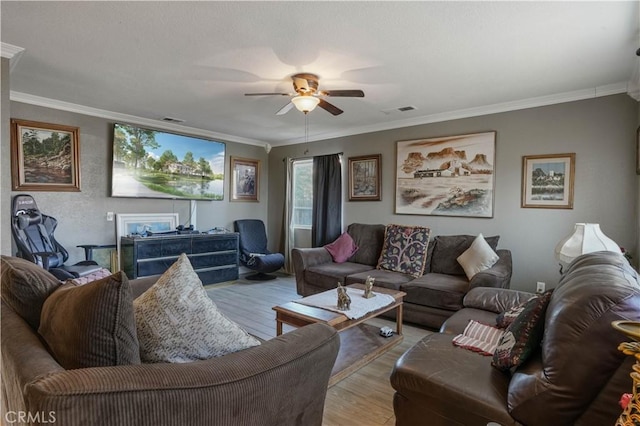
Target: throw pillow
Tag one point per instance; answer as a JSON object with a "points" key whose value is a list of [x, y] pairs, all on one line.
{"points": [[100, 273], [342, 248], [504, 319], [405, 249], [178, 322], [478, 337], [91, 325], [25, 286], [523, 335], [449, 247], [478, 257]]}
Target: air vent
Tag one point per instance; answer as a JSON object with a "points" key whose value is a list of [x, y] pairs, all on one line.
{"points": [[173, 120], [399, 109]]}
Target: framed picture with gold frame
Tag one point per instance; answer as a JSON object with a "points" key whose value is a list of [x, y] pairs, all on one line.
{"points": [[245, 179], [547, 181], [364, 178], [44, 157]]}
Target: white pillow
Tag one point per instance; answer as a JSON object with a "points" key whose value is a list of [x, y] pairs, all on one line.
{"points": [[177, 322], [478, 257]]}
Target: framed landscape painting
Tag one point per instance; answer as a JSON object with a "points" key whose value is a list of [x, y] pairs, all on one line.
{"points": [[446, 176], [44, 157], [364, 178], [547, 181], [245, 179]]}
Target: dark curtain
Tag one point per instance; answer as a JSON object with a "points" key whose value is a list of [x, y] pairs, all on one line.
{"points": [[327, 200]]}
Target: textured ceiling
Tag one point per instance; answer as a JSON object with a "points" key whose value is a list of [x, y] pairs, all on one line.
{"points": [[142, 61]]}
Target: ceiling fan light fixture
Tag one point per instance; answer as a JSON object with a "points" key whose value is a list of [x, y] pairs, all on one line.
{"points": [[305, 103]]}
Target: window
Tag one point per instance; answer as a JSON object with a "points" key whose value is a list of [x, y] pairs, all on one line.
{"points": [[302, 193]]}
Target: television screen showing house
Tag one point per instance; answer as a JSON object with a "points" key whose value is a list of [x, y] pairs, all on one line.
{"points": [[153, 164]]}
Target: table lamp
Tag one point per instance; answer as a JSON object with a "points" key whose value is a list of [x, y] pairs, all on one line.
{"points": [[585, 238]]}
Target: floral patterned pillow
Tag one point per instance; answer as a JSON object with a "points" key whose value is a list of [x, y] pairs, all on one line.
{"points": [[405, 249]]}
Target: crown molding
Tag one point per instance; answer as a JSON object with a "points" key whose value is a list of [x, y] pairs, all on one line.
{"points": [[11, 52], [611, 89], [578, 95], [129, 119]]}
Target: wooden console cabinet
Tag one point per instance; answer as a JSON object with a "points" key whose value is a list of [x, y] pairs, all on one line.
{"points": [[214, 257]]}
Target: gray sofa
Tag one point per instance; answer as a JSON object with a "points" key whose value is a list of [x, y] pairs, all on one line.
{"points": [[281, 382], [576, 375], [431, 298]]}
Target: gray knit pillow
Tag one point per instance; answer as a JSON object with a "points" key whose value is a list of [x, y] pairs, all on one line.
{"points": [[178, 322]]}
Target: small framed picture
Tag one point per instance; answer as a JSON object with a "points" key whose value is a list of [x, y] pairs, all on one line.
{"points": [[365, 178], [44, 157], [547, 181], [245, 179]]}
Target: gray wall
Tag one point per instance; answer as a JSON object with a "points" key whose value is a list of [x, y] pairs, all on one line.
{"points": [[82, 215], [600, 131], [5, 160]]}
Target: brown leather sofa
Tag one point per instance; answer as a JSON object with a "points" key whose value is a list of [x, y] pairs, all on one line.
{"points": [[430, 299], [576, 377], [281, 382]]}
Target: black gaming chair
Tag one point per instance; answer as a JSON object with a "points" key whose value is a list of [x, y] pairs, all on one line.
{"points": [[33, 234], [253, 250]]}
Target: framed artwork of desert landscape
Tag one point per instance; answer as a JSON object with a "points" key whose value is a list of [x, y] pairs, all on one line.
{"points": [[44, 157], [446, 176], [547, 181]]}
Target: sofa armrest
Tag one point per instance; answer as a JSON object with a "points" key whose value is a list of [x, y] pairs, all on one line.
{"points": [[282, 381], [304, 258], [495, 299], [499, 275]]}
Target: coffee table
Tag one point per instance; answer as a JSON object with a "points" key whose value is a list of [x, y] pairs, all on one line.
{"points": [[360, 343]]}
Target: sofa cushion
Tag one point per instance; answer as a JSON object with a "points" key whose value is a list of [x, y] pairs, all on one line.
{"points": [[523, 335], [449, 247], [342, 248], [443, 378], [25, 286], [178, 322], [478, 257], [437, 291], [91, 325], [405, 249], [384, 278], [327, 275], [369, 239]]}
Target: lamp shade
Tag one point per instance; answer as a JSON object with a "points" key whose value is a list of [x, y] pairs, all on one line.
{"points": [[586, 238], [305, 103]]}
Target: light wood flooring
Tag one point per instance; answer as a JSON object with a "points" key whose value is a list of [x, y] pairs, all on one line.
{"points": [[364, 398]]}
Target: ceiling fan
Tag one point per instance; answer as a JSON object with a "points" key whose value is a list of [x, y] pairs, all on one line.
{"points": [[307, 96]]}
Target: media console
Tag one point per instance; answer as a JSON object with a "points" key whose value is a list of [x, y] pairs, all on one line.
{"points": [[214, 257]]}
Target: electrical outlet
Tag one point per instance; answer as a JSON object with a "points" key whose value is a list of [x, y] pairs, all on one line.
{"points": [[540, 287], [109, 216]]}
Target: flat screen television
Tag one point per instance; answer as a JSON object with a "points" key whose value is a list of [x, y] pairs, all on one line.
{"points": [[155, 164]]}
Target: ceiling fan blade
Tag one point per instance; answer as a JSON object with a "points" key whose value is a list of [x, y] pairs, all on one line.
{"points": [[330, 107], [344, 93], [267, 94], [285, 109]]}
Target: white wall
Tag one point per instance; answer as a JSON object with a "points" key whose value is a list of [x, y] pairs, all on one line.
{"points": [[82, 215], [600, 131]]}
